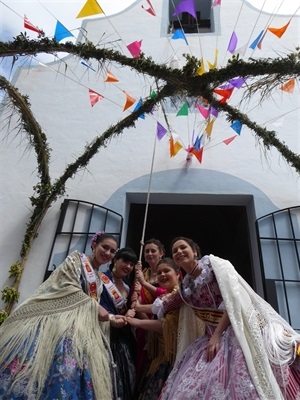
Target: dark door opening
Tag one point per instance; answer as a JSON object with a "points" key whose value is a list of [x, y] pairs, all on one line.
{"points": [[219, 230]]}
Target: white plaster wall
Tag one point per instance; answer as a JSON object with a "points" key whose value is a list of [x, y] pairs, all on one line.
{"points": [[60, 102]]}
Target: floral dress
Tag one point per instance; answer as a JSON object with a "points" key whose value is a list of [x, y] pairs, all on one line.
{"points": [[226, 376]]}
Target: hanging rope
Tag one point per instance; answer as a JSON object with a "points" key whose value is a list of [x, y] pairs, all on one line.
{"points": [[147, 202]]}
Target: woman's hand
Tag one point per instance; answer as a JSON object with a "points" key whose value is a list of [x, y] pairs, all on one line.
{"points": [[130, 313], [117, 321], [103, 315], [213, 347], [135, 322]]}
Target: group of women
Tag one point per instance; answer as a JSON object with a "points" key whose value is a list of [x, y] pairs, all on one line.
{"points": [[188, 327]]}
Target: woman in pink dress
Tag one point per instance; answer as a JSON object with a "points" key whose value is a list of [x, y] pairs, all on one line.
{"points": [[247, 352]]}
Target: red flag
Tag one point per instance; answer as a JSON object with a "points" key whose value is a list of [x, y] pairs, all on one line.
{"points": [[29, 25], [150, 10], [198, 154]]}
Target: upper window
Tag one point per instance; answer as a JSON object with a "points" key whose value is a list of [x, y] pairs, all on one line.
{"points": [[203, 22]]}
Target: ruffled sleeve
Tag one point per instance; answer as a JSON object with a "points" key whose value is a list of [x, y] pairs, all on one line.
{"points": [[163, 305]]}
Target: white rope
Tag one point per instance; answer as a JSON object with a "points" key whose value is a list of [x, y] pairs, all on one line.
{"points": [[147, 202]]}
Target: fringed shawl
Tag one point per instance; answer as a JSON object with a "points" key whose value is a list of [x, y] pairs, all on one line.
{"points": [[263, 334], [58, 310]]}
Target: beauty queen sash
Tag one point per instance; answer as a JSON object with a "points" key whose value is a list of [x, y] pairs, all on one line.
{"points": [[89, 277], [117, 298]]}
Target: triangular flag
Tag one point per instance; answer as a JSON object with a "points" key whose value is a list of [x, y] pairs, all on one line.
{"points": [[225, 93], [184, 110], [95, 97], [237, 82], [61, 32], [110, 77], [197, 143], [241, 50], [256, 41], [213, 111], [29, 25], [229, 140], [261, 40], [216, 3], [161, 131], [87, 65], [232, 43], [179, 34], [150, 10], [153, 94], [174, 147], [135, 48], [91, 7], [186, 6], [198, 154], [138, 105], [209, 127], [129, 101], [236, 126], [289, 86], [279, 31], [201, 70], [214, 65], [203, 110]]}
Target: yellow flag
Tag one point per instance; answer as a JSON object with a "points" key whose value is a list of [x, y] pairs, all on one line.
{"points": [[201, 70], [209, 127], [214, 65], [91, 7]]}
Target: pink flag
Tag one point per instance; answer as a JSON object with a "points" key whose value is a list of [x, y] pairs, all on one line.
{"points": [[135, 48], [203, 110], [95, 97], [229, 140], [216, 3]]}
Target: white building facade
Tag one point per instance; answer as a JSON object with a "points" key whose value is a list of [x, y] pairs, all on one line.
{"points": [[241, 202]]}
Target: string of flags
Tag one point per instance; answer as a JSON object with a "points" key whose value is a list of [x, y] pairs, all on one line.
{"points": [[223, 93]]}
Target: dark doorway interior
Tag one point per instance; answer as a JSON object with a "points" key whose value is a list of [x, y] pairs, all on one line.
{"points": [[219, 230]]}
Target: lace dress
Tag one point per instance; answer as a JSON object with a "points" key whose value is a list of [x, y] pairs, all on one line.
{"points": [[227, 375]]}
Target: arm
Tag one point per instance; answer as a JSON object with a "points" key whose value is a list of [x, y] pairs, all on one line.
{"points": [[213, 345], [147, 324], [141, 279]]}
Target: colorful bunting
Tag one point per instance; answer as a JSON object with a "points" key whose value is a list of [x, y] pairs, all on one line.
{"points": [[135, 48], [261, 40], [229, 140], [201, 70], [95, 97], [237, 82], [87, 65], [161, 131], [186, 6], [232, 43], [91, 7], [61, 32], [279, 31], [289, 86], [129, 101], [203, 110], [29, 25], [139, 104], [197, 144], [209, 127], [256, 41], [175, 146], [110, 77], [236, 126], [213, 112], [224, 93], [198, 154], [214, 65], [184, 110], [150, 10], [179, 34]]}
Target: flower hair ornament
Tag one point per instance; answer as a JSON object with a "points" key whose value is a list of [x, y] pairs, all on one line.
{"points": [[95, 238]]}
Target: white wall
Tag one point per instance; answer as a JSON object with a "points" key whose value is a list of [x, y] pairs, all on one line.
{"points": [[60, 102]]}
